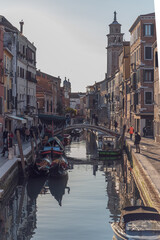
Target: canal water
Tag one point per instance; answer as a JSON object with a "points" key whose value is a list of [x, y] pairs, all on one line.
{"points": [[80, 206]]}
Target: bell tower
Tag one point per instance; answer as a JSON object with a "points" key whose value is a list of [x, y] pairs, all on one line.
{"points": [[115, 41]]}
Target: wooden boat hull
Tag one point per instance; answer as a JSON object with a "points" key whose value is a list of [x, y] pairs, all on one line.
{"points": [[35, 172], [58, 168], [110, 153]]}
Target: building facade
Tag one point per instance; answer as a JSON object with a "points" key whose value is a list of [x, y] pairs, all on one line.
{"points": [[156, 95], [48, 92], [143, 35]]}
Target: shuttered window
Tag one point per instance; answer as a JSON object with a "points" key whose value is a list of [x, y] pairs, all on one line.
{"points": [[148, 53], [148, 97], [148, 75], [148, 29]]}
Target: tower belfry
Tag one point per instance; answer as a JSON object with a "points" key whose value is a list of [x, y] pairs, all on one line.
{"points": [[115, 41]]}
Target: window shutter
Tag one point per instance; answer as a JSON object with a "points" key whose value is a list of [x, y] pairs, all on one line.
{"points": [[143, 29], [152, 75], [152, 29]]}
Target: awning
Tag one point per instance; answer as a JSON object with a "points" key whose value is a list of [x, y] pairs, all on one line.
{"points": [[48, 119], [16, 118]]}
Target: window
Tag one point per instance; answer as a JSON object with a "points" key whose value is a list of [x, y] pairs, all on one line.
{"points": [[148, 29], [148, 75], [148, 97], [148, 53], [156, 59]]}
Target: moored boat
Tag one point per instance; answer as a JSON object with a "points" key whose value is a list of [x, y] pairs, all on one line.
{"points": [[108, 148], [59, 167], [40, 167], [138, 222]]}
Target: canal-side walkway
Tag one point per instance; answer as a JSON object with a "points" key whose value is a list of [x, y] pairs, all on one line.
{"points": [[146, 168]]}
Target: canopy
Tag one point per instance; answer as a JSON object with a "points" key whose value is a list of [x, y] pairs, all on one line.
{"points": [[140, 213], [16, 118], [48, 119]]}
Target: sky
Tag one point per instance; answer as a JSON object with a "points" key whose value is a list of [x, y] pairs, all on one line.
{"points": [[70, 35]]}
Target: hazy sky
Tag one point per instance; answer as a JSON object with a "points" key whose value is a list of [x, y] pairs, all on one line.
{"points": [[70, 35]]}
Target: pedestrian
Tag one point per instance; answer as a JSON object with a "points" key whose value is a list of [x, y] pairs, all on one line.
{"points": [[144, 131], [115, 125], [5, 135], [27, 133], [40, 128], [131, 131], [137, 142], [5, 148], [10, 138]]}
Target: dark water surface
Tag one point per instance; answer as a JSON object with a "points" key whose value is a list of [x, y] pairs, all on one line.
{"points": [[80, 206]]}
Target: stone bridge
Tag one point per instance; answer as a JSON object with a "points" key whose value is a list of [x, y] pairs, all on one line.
{"points": [[87, 126]]}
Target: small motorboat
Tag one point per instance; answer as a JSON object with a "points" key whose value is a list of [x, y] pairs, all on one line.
{"points": [[59, 167], [138, 222], [108, 148]]}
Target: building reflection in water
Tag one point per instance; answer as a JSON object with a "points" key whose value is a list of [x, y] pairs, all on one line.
{"points": [[18, 211], [121, 188]]}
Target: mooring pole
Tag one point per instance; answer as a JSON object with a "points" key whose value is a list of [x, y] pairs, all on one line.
{"points": [[35, 140], [21, 152], [32, 149]]}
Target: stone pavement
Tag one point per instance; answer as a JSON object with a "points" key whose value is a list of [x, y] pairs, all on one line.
{"points": [[4, 159], [149, 157]]}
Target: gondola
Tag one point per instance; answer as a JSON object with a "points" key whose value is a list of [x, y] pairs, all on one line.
{"points": [[59, 167]]}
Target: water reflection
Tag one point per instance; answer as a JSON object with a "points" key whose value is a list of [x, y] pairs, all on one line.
{"points": [[98, 193], [121, 189], [57, 188]]}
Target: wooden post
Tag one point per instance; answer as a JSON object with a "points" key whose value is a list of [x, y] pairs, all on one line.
{"points": [[35, 141], [52, 129], [21, 152], [32, 149]]}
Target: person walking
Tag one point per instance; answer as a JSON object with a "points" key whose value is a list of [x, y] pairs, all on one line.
{"points": [[144, 131], [10, 139], [115, 125], [5, 135], [27, 133], [137, 142], [131, 131]]}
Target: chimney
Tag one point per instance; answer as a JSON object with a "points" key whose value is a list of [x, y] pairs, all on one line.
{"points": [[21, 26]]}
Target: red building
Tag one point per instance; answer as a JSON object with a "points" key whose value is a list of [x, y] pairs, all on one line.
{"points": [[48, 92]]}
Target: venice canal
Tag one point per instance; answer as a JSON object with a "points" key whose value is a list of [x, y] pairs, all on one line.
{"points": [[78, 207]]}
